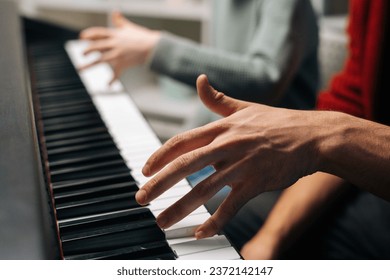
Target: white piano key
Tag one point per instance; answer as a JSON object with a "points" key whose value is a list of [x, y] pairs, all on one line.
{"points": [[228, 253], [175, 192], [161, 204], [185, 223], [187, 226], [180, 240], [194, 246]]}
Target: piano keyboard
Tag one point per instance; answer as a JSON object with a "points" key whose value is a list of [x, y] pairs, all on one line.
{"points": [[96, 143]]}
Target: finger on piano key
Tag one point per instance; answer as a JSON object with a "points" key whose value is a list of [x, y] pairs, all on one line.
{"points": [[187, 226], [160, 204], [96, 79]]}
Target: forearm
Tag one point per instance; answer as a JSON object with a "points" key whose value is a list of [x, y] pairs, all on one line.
{"points": [[358, 151], [245, 76], [297, 208]]}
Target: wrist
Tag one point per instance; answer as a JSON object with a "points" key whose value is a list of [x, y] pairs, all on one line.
{"points": [[151, 42], [331, 140], [265, 245]]}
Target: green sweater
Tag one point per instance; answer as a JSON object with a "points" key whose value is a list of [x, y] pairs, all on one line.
{"points": [[264, 51]]}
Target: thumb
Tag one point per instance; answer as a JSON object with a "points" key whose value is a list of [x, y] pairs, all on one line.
{"points": [[217, 101], [118, 20]]}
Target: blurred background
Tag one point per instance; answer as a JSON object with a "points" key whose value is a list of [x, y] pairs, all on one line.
{"points": [[175, 107]]}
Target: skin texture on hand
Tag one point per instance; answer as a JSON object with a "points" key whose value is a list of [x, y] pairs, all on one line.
{"points": [[124, 46], [257, 148], [252, 149]]}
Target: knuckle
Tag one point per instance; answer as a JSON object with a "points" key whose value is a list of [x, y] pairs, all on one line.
{"points": [[207, 186], [151, 185], [236, 203], [182, 163], [153, 182], [175, 141], [220, 125], [201, 190]]}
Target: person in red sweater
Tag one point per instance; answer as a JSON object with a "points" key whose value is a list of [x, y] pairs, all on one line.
{"points": [[335, 160]]}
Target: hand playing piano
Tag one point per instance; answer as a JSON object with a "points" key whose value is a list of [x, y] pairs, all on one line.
{"points": [[254, 148], [126, 45]]}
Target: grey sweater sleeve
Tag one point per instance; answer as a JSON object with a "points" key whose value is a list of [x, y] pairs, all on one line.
{"points": [[271, 59]]}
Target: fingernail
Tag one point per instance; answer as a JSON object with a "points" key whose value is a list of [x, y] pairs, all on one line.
{"points": [[146, 170], [200, 234], [140, 196]]}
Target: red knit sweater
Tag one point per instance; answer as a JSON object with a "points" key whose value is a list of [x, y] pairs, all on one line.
{"points": [[353, 90]]}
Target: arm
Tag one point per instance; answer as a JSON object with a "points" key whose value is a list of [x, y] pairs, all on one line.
{"points": [[358, 151], [257, 148], [267, 67], [294, 212]]}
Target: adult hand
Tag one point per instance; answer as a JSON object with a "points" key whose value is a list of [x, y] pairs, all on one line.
{"points": [[254, 149], [126, 45]]}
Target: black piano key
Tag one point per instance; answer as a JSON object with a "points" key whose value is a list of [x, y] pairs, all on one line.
{"points": [[43, 49], [87, 167], [93, 173], [83, 198], [68, 111], [45, 65], [47, 103], [60, 81], [107, 229], [94, 182], [90, 192], [82, 147], [87, 160], [155, 251], [62, 101], [113, 241], [72, 126], [98, 205], [78, 141], [74, 134], [82, 154], [129, 219], [72, 119], [67, 225], [58, 88], [90, 173], [54, 74], [94, 199], [56, 98], [96, 178]]}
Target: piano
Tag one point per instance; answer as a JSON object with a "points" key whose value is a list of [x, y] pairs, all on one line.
{"points": [[72, 152]]}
